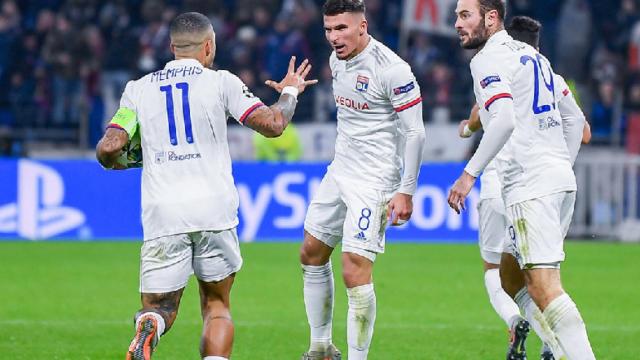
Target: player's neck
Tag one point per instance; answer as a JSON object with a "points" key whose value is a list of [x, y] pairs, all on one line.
{"points": [[191, 57], [359, 49], [490, 33]]}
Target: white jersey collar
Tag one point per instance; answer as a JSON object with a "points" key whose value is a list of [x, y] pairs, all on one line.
{"points": [[498, 38], [183, 62]]}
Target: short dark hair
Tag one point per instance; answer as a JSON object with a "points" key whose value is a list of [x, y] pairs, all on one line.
{"points": [[498, 5], [190, 22], [336, 7], [525, 29]]}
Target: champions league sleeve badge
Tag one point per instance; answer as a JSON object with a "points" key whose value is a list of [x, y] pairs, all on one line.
{"points": [[362, 83]]}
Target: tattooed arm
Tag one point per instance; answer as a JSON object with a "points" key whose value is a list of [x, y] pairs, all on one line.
{"points": [[271, 121]]}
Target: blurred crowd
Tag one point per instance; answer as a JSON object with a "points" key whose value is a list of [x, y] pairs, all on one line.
{"points": [[64, 63]]}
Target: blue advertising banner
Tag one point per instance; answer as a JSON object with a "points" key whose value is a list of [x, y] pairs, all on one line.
{"points": [[77, 199]]}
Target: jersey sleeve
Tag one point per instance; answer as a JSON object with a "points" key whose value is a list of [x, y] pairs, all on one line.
{"points": [[238, 100], [561, 88], [125, 118], [401, 87], [490, 81]]}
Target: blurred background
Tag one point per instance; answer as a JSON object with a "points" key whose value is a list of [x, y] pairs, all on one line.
{"points": [[64, 65]]}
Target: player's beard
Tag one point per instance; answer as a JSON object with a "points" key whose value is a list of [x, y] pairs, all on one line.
{"points": [[477, 38]]}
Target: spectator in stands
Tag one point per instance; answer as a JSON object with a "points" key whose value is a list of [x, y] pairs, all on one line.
{"points": [[284, 42], [604, 115], [632, 113], [116, 68], [572, 49], [422, 55], [65, 51], [324, 104]]}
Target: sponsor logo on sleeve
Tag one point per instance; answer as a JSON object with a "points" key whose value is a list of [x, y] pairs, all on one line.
{"points": [[489, 80], [404, 89]]}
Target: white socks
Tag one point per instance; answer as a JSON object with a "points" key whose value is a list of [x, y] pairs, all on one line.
{"points": [[564, 319], [214, 358], [159, 320], [360, 320], [534, 316], [318, 301], [501, 302]]}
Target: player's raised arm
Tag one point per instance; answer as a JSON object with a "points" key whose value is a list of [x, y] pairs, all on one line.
{"points": [[271, 121]]}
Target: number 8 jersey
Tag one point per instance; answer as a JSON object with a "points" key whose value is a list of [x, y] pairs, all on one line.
{"points": [[182, 111], [536, 159]]}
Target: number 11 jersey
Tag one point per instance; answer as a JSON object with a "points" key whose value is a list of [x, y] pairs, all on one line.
{"points": [[182, 112]]}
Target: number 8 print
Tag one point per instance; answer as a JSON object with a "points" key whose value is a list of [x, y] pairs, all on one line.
{"points": [[365, 214]]}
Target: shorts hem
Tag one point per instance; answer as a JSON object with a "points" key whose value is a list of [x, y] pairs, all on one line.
{"points": [[326, 237], [218, 278], [151, 290]]}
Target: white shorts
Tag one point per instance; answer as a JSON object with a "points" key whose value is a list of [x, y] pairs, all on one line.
{"points": [[351, 213], [167, 262], [538, 228], [492, 229]]}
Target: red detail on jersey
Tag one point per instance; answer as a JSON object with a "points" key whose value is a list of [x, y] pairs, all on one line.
{"points": [[496, 97], [249, 111], [115, 126], [409, 104], [565, 92], [341, 100]]}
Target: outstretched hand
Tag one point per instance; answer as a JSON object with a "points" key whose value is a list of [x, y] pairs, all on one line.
{"points": [[295, 78]]}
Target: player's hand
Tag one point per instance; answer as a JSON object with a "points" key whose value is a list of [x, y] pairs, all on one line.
{"points": [[461, 131], [460, 190], [295, 78], [399, 209]]}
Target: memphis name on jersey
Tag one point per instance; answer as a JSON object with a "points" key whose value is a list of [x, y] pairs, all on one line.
{"points": [[166, 74], [370, 90]]}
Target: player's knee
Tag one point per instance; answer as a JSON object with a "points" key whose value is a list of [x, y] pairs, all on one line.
{"points": [[356, 270], [310, 256]]}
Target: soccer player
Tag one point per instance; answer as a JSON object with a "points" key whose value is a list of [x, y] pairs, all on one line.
{"points": [[189, 202], [492, 212], [515, 85], [370, 181]]}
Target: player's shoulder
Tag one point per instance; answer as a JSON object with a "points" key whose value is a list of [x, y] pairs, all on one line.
{"points": [[384, 57]]}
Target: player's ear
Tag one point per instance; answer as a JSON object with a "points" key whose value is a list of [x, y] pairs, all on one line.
{"points": [[490, 18], [173, 49], [363, 27]]}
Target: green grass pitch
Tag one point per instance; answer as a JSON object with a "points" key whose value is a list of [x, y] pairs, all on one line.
{"points": [[76, 300]]}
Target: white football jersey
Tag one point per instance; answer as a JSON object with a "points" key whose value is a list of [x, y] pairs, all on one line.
{"points": [[537, 161], [182, 111], [369, 90]]}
